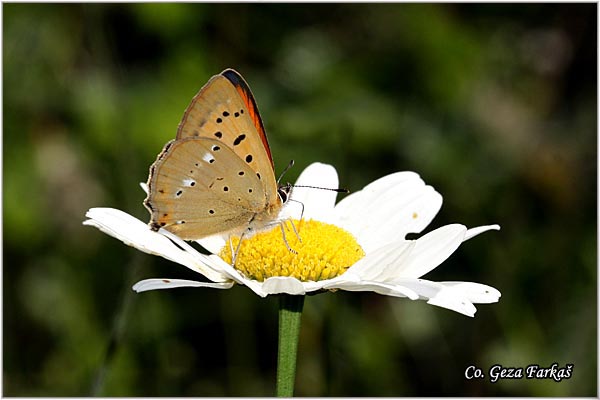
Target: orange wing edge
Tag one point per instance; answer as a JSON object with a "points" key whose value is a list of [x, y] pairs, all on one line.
{"points": [[244, 91]]}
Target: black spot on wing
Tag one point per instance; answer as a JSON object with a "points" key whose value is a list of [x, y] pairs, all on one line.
{"points": [[148, 204], [239, 139]]}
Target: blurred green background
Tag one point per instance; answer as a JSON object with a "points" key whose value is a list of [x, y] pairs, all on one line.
{"points": [[494, 105]]}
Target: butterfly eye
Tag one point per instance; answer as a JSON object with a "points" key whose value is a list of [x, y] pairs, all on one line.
{"points": [[284, 193]]}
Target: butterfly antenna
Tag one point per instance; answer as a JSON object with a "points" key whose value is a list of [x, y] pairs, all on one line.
{"points": [[340, 190], [290, 165], [290, 186]]}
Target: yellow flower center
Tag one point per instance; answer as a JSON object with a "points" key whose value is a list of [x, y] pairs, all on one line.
{"points": [[324, 251]]}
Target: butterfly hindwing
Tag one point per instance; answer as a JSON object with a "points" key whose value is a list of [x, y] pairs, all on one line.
{"points": [[198, 187]]}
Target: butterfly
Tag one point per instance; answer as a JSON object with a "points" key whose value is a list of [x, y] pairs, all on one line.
{"points": [[217, 176]]}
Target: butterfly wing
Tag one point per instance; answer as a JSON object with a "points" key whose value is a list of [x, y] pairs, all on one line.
{"points": [[225, 110], [246, 95], [199, 187]]}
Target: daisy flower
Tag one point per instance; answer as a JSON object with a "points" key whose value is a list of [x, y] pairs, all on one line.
{"points": [[358, 244]]}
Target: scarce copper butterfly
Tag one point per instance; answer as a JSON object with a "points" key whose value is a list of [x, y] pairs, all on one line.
{"points": [[217, 176]]}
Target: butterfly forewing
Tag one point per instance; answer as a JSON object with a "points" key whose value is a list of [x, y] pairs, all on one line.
{"points": [[225, 110], [246, 95], [198, 187]]}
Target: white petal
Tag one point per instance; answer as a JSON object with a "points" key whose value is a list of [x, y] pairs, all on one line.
{"points": [[454, 301], [475, 292], [283, 284], [136, 233], [236, 275], [371, 286], [144, 187], [432, 249], [387, 209], [353, 204], [213, 261], [153, 284], [383, 263], [480, 229], [424, 288], [318, 203], [456, 296], [214, 243]]}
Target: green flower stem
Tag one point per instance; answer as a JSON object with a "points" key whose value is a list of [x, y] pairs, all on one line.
{"points": [[290, 315]]}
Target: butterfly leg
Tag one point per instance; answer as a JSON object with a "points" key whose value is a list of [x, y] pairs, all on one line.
{"points": [[237, 249], [282, 226], [291, 221], [231, 251], [301, 205]]}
